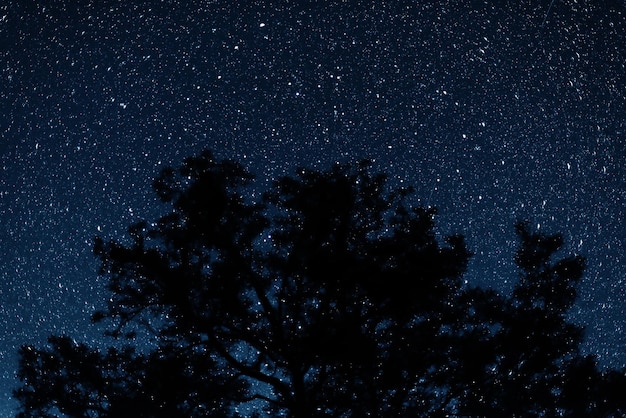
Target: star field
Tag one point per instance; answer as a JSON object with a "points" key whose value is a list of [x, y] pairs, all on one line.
{"points": [[495, 111]]}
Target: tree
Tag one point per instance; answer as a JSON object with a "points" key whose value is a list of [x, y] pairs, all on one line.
{"points": [[329, 296]]}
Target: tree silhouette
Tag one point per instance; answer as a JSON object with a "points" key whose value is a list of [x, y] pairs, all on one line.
{"points": [[329, 296]]}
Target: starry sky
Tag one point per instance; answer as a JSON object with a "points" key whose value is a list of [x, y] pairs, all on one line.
{"points": [[494, 110]]}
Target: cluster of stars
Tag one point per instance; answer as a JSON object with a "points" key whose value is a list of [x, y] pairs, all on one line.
{"points": [[494, 112]]}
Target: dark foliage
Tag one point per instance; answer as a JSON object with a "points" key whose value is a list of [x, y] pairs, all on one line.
{"points": [[330, 296]]}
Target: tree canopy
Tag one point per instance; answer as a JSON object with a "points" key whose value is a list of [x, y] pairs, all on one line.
{"points": [[328, 296]]}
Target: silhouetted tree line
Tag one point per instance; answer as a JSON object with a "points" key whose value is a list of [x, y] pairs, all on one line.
{"points": [[328, 296]]}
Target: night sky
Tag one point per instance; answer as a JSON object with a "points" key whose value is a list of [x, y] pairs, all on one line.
{"points": [[495, 110]]}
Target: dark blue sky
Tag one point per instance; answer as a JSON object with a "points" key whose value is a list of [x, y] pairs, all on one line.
{"points": [[491, 114]]}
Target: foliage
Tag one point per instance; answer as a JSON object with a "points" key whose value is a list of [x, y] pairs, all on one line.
{"points": [[329, 296]]}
